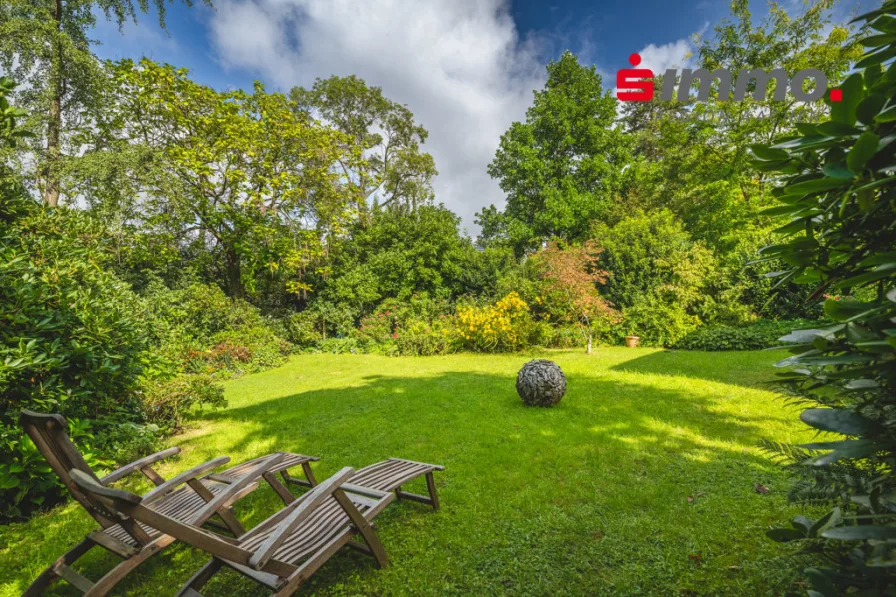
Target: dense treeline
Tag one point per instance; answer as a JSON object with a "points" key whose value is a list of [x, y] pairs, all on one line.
{"points": [[158, 234]]}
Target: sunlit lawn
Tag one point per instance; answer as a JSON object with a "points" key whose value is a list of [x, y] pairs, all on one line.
{"points": [[642, 481]]}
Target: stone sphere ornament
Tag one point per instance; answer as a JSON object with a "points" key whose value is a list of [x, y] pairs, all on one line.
{"points": [[541, 383]]}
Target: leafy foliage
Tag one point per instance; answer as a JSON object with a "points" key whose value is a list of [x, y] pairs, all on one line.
{"points": [[571, 277], [561, 167], [395, 173], [72, 341], [167, 403], [246, 169], [47, 45], [839, 194], [756, 336], [498, 327]]}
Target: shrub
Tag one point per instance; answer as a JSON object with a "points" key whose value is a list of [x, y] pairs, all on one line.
{"points": [[26, 480], [340, 346], [419, 326], [504, 326], [422, 338], [656, 322], [299, 329], [73, 340], [757, 336], [241, 351], [166, 404], [564, 336], [838, 192], [201, 330]]}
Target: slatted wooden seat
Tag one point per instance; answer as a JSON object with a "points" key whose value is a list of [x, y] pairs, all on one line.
{"points": [[183, 498], [288, 460], [391, 474], [280, 553]]}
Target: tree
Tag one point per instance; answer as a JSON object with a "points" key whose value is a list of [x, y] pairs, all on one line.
{"points": [[395, 173], [838, 194], [560, 168], [45, 44], [693, 156], [397, 255], [571, 275], [246, 173]]}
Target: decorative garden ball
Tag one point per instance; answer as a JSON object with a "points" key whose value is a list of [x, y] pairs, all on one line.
{"points": [[541, 383]]}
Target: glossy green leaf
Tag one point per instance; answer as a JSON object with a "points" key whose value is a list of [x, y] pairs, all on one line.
{"points": [[837, 420], [863, 150]]}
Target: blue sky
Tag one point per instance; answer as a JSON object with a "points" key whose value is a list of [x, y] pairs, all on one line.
{"points": [[466, 68]]}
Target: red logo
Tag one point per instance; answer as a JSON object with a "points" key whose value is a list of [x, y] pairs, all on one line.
{"points": [[634, 84]]}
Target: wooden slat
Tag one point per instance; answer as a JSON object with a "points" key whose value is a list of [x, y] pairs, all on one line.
{"points": [[81, 583], [316, 496], [391, 477], [269, 580], [116, 546], [437, 467], [414, 497], [152, 475]]}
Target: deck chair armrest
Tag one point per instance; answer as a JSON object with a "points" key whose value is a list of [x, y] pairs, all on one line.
{"points": [[194, 473], [237, 489], [309, 502], [135, 466], [365, 491]]}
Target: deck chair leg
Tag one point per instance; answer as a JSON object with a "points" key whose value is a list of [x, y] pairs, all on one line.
{"points": [[362, 526], [46, 578], [200, 579], [279, 488], [114, 576], [431, 486], [309, 474]]}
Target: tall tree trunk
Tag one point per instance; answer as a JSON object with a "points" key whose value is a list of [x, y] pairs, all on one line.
{"points": [[234, 275], [50, 172], [588, 350]]}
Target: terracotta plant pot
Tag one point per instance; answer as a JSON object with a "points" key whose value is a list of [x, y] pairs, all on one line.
{"points": [[632, 341]]}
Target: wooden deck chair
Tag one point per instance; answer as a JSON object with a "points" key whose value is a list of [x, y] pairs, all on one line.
{"points": [[392, 474], [181, 497], [280, 553]]}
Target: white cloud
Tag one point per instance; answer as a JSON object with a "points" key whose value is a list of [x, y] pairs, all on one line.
{"points": [[459, 65], [676, 54]]}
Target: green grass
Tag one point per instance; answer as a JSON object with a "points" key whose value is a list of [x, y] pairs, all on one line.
{"points": [[590, 497]]}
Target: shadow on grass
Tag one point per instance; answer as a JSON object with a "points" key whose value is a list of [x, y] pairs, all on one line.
{"points": [[597, 489], [730, 367], [609, 447]]}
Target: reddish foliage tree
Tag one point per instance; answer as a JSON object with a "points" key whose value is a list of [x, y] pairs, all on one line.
{"points": [[571, 275]]}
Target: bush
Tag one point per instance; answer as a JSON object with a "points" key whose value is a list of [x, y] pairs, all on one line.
{"points": [[656, 322], [504, 326], [166, 404], [760, 335], [340, 346], [201, 330], [73, 340], [838, 193], [564, 336], [422, 338], [300, 330], [26, 480], [419, 326]]}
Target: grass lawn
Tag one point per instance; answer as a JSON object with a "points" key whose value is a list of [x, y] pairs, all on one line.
{"points": [[641, 481]]}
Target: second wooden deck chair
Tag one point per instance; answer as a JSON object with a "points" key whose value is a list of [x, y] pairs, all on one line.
{"points": [[184, 497], [280, 553]]}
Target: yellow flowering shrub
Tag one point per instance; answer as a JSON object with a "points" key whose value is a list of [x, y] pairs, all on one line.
{"points": [[501, 326]]}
